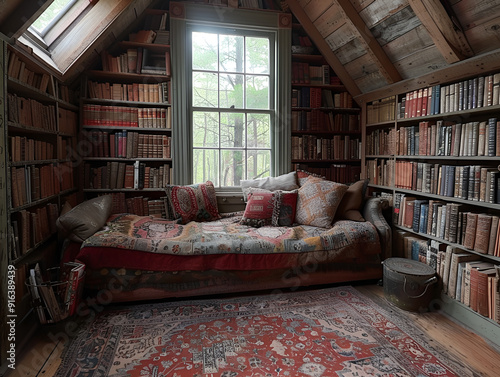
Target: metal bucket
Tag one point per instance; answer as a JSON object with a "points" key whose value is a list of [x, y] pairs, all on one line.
{"points": [[409, 284]]}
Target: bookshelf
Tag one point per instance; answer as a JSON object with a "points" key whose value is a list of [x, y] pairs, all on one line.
{"points": [[38, 132], [126, 124], [435, 152], [325, 123]]}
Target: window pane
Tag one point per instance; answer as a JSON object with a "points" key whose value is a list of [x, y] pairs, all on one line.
{"points": [[258, 164], [232, 130], [231, 91], [259, 131], [49, 15], [205, 129], [205, 91], [204, 51], [257, 55], [231, 53], [257, 92], [206, 165], [232, 167]]}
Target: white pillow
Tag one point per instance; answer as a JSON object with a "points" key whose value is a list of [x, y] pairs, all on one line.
{"points": [[285, 182]]}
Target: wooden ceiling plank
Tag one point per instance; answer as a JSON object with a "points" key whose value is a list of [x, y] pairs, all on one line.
{"points": [[380, 10], [448, 39], [478, 65], [329, 21], [315, 8], [415, 40], [341, 37], [323, 47], [485, 37], [400, 23], [374, 49]]}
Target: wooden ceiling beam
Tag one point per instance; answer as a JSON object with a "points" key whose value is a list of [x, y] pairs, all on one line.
{"points": [[323, 47], [372, 47], [447, 36]]}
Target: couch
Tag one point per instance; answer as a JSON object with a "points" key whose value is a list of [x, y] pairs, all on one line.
{"points": [[196, 250]]}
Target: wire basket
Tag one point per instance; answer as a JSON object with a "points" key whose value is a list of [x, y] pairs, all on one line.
{"points": [[56, 297]]}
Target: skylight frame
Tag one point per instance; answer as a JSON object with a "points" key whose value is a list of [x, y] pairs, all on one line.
{"points": [[54, 21]]}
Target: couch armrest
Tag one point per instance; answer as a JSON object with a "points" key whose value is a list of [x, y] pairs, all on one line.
{"points": [[373, 212]]}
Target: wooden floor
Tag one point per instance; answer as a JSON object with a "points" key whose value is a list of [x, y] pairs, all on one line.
{"points": [[43, 356]]}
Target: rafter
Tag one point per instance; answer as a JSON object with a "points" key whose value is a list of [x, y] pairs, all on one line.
{"points": [[323, 47], [447, 36], [376, 52]]}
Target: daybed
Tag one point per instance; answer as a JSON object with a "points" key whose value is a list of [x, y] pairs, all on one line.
{"points": [[142, 257]]}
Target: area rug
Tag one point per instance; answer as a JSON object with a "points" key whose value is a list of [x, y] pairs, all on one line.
{"points": [[327, 332]]}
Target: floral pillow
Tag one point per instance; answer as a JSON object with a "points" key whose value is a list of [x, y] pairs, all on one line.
{"points": [[317, 202], [264, 207], [193, 203]]}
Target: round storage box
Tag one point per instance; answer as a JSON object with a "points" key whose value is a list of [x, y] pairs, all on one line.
{"points": [[409, 284]]}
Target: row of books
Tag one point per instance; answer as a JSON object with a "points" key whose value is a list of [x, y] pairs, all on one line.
{"points": [[31, 183], [137, 205], [316, 97], [468, 94], [381, 141], [471, 182], [31, 113], [301, 40], [440, 139], [341, 173], [68, 121], [56, 294], [18, 70], [127, 144], [303, 73], [119, 175], [450, 222], [465, 277], [32, 227], [380, 172], [319, 120], [137, 60], [25, 149], [382, 110], [450, 139], [137, 92], [310, 147], [121, 116]]}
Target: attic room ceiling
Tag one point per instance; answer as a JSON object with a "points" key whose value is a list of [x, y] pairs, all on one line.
{"points": [[371, 44]]}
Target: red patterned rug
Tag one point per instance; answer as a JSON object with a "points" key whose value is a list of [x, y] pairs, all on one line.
{"points": [[327, 332]]}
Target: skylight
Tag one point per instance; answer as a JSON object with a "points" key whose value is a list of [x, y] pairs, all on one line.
{"points": [[51, 15]]}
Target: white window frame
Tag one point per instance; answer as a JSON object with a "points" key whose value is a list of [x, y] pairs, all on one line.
{"points": [[271, 110], [196, 14]]}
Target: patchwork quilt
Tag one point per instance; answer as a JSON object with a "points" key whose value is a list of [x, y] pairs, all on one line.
{"points": [[227, 235]]}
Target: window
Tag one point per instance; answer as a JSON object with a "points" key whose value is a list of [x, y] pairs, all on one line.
{"points": [[232, 106], [50, 16]]}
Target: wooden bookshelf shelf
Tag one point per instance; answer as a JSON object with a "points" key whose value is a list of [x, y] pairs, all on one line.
{"points": [[325, 132], [123, 159], [326, 161], [127, 77], [155, 47], [125, 103], [159, 189], [132, 129], [28, 129]]}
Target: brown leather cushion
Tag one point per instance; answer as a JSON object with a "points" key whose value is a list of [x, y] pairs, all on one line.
{"points": [[350, 206]]}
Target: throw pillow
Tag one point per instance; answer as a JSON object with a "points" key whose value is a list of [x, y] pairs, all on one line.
{"points": [[283, 182], [196, 202], [302, 176], [266, 207], [85, 219], [317, 202], [350, 205]]}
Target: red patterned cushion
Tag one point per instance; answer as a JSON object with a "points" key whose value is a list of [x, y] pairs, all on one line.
{"points": [[193, 203], [266, 207]]}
